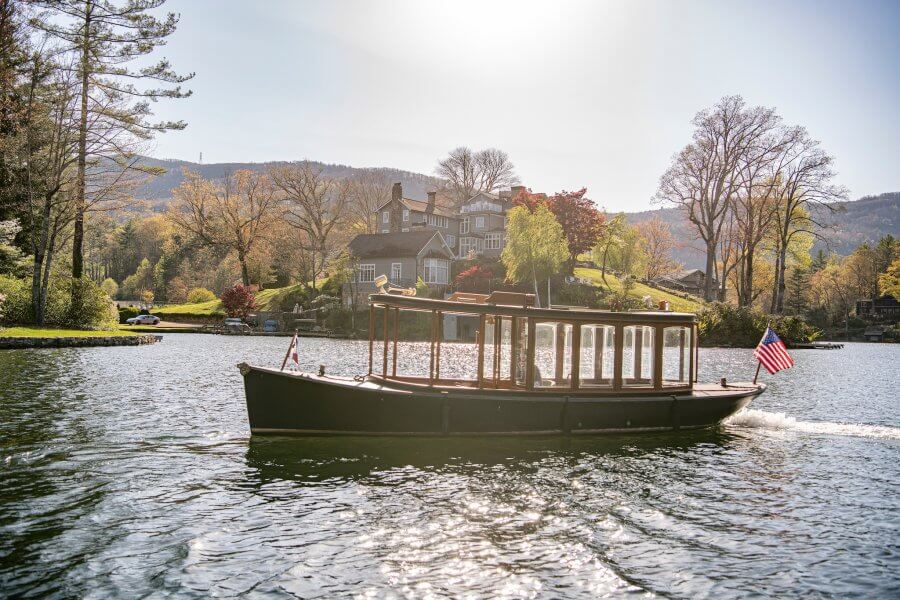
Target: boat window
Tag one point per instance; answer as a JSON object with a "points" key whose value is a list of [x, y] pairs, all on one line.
{"points": [[552, 355], [597, 355], [497, 365], [637, 356], [676, 355]]}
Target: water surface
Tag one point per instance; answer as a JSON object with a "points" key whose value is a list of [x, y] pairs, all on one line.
{"points": [[130, 472]]}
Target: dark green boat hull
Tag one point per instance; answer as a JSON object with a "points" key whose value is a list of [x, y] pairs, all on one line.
{"points": [[281, 403]]}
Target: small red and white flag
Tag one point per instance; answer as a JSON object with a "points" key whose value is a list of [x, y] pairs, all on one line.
{"points": [[772, 353]]}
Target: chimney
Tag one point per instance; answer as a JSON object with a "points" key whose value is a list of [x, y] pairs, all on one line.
{"points": [[514, 190], [397, 191], [431, 196]]}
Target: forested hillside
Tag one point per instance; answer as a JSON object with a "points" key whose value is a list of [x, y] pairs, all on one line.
{"points": [[158, 189]]}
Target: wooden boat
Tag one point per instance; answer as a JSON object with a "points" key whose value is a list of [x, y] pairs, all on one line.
{"points": [[534, 371]]}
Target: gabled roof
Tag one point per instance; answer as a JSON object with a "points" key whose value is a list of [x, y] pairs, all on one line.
{"points": [[422, 206], [386, 245]]}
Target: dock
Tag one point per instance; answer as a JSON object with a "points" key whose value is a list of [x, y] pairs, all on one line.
{"points": [[818, 346]]}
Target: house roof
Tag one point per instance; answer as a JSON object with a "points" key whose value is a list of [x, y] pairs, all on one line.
{"points": [[422, 206], [384, 245]]}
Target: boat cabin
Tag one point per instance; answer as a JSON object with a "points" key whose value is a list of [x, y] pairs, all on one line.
{"points": [[519, 347]]}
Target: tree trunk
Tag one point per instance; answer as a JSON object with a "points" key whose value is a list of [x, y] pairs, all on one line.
{"points": [[245, 272], [710, 271], [779, 280], [80, 180]]}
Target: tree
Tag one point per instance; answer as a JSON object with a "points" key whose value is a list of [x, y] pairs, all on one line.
{"points": [[104, 37], [705, 177], [804, 181], [234, 216], [368, 192], [610, 238], [238, 301], [657, 245], [535, 246], [110, 286], [316, 208], [581, 222], [471, 172], [889, 281], [628, 256], [474, 279]]}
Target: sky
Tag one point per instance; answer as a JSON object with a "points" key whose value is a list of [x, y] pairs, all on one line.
{"points": [[579, 94]]}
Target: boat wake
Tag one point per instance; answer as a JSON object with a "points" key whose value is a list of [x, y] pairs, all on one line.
{"points": [[761, 419]]}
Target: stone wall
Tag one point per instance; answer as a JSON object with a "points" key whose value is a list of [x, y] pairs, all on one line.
{"points": [[77, 342]]}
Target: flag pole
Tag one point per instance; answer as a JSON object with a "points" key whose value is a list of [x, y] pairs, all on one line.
{"points": [[758, 365], [291, 347]]}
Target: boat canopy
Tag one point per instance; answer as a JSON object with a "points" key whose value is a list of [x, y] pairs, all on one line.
{"points": [[515, 346]]}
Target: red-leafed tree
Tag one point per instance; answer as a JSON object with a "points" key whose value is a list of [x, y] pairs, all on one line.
{"points": [[529, 200], [474, 279], [582, 223], [238, 301]]}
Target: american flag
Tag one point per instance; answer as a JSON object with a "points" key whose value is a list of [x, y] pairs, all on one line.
{"points": [[772, 354], [294, 354]]}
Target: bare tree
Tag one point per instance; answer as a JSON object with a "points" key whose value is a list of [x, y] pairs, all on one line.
{"points": [[469, 172], [368, 191], [804, 181], [234, 216], [316, 205], [704, 177], [658, 243]]}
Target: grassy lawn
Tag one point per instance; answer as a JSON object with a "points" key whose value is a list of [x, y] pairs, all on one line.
{"points": [[266, 300], [49, 332], [640, 290]]}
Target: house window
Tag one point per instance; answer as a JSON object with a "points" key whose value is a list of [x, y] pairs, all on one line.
{"points": [[366, 273], [464, 226], [492, 241], [437, 270], [479, 222], [437, 221], [465, 245], [406, 214], [451, 241], [386, 216], [396, 272]]}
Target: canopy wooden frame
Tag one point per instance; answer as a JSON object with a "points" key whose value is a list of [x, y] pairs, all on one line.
{"points": [[524, 320]]}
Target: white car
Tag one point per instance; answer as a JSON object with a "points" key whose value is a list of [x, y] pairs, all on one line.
{"points": [[143, 320]]}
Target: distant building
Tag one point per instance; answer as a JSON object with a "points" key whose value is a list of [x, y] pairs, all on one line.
{"points": [[886, 307], [400, 215], [482, 227], [691, 282], [402, 257], [874, 333]]}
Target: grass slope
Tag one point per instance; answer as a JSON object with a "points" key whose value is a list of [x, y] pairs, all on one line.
{"points": [[676, 303], [49, 332], [266, 300]]}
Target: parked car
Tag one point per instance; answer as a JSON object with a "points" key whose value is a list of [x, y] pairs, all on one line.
{"points": [[143, 320], [236, 325]]}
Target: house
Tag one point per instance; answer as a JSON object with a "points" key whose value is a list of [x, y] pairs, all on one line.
{"points": [[482, 227], [399, 215], [886, 307], [403, 257], [874, 333], [692, 282]]}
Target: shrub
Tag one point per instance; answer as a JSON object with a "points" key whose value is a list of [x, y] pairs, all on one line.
{"points": [[725, 325], [238, 301], [110, 286], [94, 309], [198, 294], [127, 312]]}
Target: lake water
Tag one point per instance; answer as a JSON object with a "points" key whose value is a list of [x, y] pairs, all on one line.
{"points": [[130, 472]]}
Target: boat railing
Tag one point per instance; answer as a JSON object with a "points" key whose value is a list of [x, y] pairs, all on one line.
{"points": [[517, 347]]}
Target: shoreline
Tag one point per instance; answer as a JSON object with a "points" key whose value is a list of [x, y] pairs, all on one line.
{"points": [[22, 342]]}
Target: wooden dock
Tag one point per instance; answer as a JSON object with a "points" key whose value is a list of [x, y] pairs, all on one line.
{"points": [[818, 346]]}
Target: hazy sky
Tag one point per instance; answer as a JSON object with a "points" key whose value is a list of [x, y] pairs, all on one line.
{"points": [[595, 94]]}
